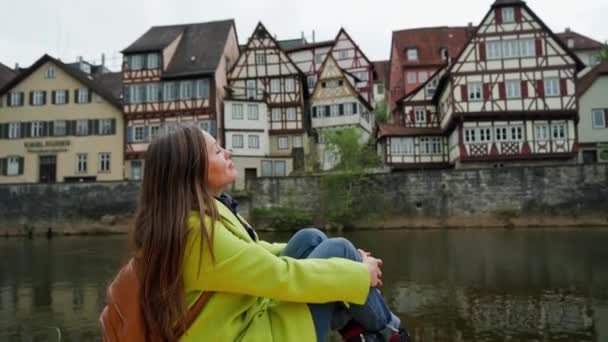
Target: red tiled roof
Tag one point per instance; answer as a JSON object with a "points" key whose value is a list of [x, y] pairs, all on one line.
{"points": [[584, 83], [429, 42], [580, 42], [388, 130], [382, 71]]}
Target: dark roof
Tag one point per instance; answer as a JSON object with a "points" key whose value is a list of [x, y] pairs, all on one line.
{"points": [[584, 83], [306, 46], [289, 43], [500, 3], [6, 74], [85, 79], [112, 81], [198, 52], [382, 71], [580, 42], [390, 130], [429, 41]]}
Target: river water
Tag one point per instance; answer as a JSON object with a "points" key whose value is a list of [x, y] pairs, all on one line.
{"points": [[457, 285]]}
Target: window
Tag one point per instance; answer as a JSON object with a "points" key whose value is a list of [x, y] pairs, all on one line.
{"points": [[431, 87], [411, 78], [297, 141], [251, 89], [12, 166], [37, 129], [470, 135], [14, 130], [252, 112], [423, 76], [291, 114], [168, 91], [570, 43], [510, 49], [379, 89], [82, 127], [420, 115], [83, 95], [136, 169], [508, 14], [152, 92], [361, 75], [436, 146], [38, 98], [81, 163], [204, 125], [50, 72], [334, 110], [516, 133], [237, 111], [153, 61], [599, 118], [266, 168], [136, 62], [16, 99], [61, 96], [276, 114], [430, 146], [253, 141], [283, 143], [444, 54], [485, 134], [558, 131], [139, 133], [104, 162], [527, 48], [501, 133], [402, 146], [260, 58], [513, 89], [237, 141], [412, 54], [318, 58], [541, 132], [154, 131], [275, 86], [279, 168], [59, 128], [552, 87], [475, 91], [185, 90], [494, 50], [290, 85], [105, 126], [201, 89], [311, 80], [343, 54]]}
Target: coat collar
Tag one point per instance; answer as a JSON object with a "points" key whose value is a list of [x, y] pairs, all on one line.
{"points": [[231, 221]]}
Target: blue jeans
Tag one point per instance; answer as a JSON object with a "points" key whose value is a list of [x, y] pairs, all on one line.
{"points": [[374, 315]]}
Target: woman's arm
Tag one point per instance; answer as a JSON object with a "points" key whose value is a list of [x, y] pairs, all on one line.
{"points": [[274, 248], [249, 268]]}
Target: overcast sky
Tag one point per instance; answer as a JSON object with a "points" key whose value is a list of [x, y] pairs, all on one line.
{"points": [[68, 29]]}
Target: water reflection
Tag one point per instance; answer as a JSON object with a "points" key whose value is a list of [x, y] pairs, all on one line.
{"points": [[446, 285]]}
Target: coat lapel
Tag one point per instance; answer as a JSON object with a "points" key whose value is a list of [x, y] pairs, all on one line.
{"points": [[231, 222]]}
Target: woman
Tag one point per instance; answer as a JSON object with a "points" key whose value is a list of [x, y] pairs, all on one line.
{"points": [[190, 240]]}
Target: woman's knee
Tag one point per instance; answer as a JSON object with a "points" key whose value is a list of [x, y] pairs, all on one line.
{"points": [[303, 242], [338, 247]]}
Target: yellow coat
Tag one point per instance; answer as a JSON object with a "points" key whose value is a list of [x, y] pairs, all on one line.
{"points": [[260, 297]]}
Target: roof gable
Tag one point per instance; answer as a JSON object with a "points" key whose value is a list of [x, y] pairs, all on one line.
{"points": [[343, 40], [580, 41], [6, 74]]}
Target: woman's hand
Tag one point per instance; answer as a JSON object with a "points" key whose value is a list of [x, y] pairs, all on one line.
{"points": [[373, 266]]}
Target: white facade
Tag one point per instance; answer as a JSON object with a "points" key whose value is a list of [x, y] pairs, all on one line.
{"points": [[246, 127]]}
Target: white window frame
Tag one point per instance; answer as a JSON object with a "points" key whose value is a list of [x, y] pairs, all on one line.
{"points": [[237, 141], [153, 61], [542, 133], [275, 167], [136, 169], [401, 146], [485, 134], [283, 142], [81, 163], [251, 89], [411, 77], [59, 128], [311, 80], [253, 112], [201, 89], [104, 163], [276, 114], [275, 86], [319, 58], [82, 127], [513, 89], [142, 134], [290, 114], [38, 98], [290, 85], [297, 141], [16, 99], [12, 166], [60, 97], [516, 133], [510, 48], [437, 145], [423, 76], [598, 113], [14, 130], [343, 54], [470, 135], [253, 141], [153, 131], [260, 58], [475, 91], [527, 48], [494, 49], [50, 73], [559, 131], [185, 90], [37, 129], [420, 115], [552, 87], [105, 127], [153, 92], [501, 133], [136, 62], [508, 15], [168, 91], [412, 54], [237, 111], [83, 95]]}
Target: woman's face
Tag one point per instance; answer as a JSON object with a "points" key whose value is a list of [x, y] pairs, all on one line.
{"points": [[220, 169]]}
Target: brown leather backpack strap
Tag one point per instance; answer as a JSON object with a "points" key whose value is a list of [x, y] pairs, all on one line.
{"points": [[191, 315]]}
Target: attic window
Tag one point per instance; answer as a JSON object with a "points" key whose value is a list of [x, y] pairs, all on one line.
{"points": [[570, 43], [444, 54], [508, 15], [50, 72], [412, 54]]}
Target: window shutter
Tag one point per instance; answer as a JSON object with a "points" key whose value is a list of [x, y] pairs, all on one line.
{"points": [[354, 108], [90, 93], [51, 126], [44, 97], [71, 127], [429, 117], [113, 127], [67, 96], [97, 127], [498, 16], [130, 134], [464, 93], [540, 88], [605, 117], [539, 47], [21, 162], [3, 134], [45, 128], [502, 91], [76, 91], [563, 87], [31, 98], [28, 130], [23, 130], [517, 14], [524, 89], [341, 109], [146, 130], [91, 127], [8, 99], [53, 97], [486, 91], [482, 51], [412, 117], [3, 166], [22, 98]]}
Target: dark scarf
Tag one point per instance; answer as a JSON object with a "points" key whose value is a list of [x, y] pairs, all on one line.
{"points": [[232, 204]]}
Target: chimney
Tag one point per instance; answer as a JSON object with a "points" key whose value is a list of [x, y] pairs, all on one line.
{"points": [[16, 66], [568, 30], [470, 24], [313, 36], [103, 60]]}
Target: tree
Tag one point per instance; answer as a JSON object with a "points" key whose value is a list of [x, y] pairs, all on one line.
{"points": [[381, 112], [353, 155], [604, 53]]}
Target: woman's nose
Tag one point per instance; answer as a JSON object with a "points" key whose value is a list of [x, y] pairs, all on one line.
{"points": [[228, 154]]}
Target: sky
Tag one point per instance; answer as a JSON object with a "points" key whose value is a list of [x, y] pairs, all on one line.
{"points": [[67, 29]]}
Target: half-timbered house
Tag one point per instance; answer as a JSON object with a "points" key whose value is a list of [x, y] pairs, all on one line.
{"points": [[266, 116], [335, 104], [509, 97], [175, 74]]}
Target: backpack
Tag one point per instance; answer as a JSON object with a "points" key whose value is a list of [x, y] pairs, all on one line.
{"points": [[122, 318]]}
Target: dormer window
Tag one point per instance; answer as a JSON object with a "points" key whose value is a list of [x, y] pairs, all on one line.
{"points": [[570, 43], [444, 54], [508, 14], [153, 61], [50, 73], [412, 54]]}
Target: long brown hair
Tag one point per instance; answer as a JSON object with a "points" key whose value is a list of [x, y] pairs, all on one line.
{"points": [[175, 174]]}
